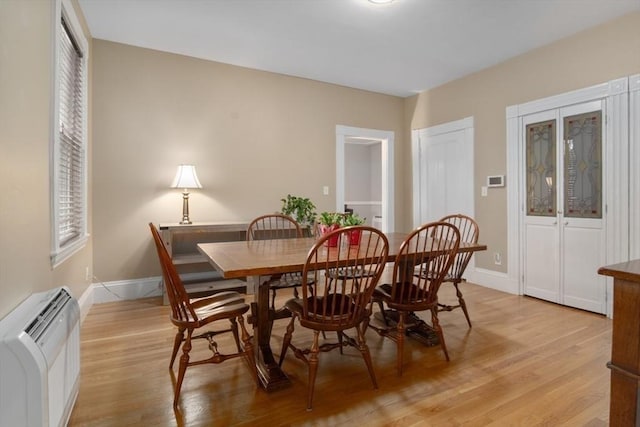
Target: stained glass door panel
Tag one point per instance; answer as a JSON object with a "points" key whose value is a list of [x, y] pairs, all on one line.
{"points": [[541, 168], [583, 165]]}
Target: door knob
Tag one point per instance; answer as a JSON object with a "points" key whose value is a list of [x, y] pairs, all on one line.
{"points": [[566, 223]]}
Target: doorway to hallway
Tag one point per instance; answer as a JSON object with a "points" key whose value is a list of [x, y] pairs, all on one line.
{"points": [[364, 174]]}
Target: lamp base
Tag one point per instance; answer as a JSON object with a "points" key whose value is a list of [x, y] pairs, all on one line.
{"points": [[185, 208]]}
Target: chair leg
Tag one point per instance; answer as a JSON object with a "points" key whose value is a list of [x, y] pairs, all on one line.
{"points": [[402, 315], [234, 330], [273, 298], [463, 304], [367, 319], [313, 367], [184, 362], [286, 340], [340, 335], [176, 345], [436, 326], [248, 350], [366, 355]]}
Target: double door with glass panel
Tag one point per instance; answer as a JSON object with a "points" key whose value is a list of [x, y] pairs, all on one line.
{"points": [[563, 209]]}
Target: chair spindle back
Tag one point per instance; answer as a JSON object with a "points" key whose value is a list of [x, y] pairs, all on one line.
{"points": [[469, 233], [338, 281], [422, 263], [273, 226], [181, 308]]}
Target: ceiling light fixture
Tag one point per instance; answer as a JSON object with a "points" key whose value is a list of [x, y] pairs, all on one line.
{"points": [[380, 1]]}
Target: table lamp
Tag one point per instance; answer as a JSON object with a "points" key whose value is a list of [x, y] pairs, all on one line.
{"points": [[186, 178]]}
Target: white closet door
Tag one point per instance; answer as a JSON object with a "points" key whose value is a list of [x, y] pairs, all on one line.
{"points": [[563, 219], [540, 222], [582, 220], [445, 174]]}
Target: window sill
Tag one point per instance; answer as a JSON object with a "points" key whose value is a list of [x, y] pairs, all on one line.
{"points": [[68, 251]]}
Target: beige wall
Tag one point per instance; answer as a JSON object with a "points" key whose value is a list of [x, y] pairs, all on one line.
{"points": [[253, 136], [25, 114], [595, 56]]}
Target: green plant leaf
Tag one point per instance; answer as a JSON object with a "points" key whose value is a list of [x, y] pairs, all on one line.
{"points": [[302, 209]]}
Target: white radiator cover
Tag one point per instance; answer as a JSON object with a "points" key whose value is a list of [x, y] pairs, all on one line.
{"points": [[40, 360]]}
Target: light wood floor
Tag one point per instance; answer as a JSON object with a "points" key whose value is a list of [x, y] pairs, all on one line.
{"points": [[524, 363]]}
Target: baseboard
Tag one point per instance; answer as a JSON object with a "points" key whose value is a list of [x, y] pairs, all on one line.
{"points": [[120, 290], [126, 289], [494, 280], [85, 302]]}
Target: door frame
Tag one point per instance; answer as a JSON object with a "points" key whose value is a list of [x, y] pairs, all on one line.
{"points": [[615, 95], [634, 159], [465, 125], [386, 138]]}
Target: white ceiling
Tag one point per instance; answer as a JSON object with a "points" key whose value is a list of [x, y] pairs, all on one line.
{"points": [[400, 49]]}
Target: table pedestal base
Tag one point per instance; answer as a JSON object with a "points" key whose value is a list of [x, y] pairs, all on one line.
{"points": [[414, 327], [270, 374]]}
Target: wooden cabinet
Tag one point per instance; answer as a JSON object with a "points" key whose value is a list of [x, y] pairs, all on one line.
{"points": [[198, 276], [625, 343]]}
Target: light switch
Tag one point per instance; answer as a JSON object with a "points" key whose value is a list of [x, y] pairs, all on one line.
{"points": [[483, 191], [325, 190]]}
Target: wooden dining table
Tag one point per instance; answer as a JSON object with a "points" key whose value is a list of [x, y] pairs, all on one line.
{"points": [[258, 260]]}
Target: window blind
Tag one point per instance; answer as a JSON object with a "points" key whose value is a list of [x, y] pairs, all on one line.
{"points": [[71, 148]]}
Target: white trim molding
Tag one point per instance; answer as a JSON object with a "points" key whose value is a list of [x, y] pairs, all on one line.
{"points": [[492, 279], [85, 302], [617, 172], [415, 166], [634, 171], [119, 290], [514, 202]]}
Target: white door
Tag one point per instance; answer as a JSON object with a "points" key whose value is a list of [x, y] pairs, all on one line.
{"points": [[564, 232], [445, 174]]}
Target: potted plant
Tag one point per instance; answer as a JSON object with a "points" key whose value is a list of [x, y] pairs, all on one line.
{"points": [[328, 222], [301, 209], [353, 219]]}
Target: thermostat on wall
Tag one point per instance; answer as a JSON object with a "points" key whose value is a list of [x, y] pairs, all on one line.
{"points": [[495, 181]]}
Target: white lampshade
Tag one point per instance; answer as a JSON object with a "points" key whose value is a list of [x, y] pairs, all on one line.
{"points": [[186, 177]]}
